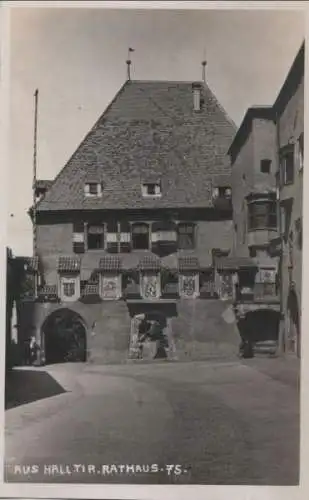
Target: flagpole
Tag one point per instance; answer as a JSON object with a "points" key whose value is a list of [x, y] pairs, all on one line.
{"points": [[34, 220]]}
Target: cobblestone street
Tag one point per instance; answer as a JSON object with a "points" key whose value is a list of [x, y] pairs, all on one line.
{"points": [[222, 422]]}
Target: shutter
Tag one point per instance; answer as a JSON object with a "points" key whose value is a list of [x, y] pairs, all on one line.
{"points": [[78, 237], [125, 236], [112, 237]]}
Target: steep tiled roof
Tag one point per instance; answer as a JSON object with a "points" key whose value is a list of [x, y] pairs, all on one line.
{"points": [[31, 264], [188, 263], [150, 131], [149, 263], [110, 263]]}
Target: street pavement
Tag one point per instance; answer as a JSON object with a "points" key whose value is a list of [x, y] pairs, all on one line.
{"points": [[217, 422]]}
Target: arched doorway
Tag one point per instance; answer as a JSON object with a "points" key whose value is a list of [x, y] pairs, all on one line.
{"points": [[293, 323], [260, 326], [64, 337]]}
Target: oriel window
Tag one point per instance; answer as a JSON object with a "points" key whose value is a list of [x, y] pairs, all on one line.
{"points": [[262, 215]]}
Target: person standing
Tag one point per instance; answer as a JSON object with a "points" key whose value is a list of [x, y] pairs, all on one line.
{"points": [[143, 331], [33, 348]]}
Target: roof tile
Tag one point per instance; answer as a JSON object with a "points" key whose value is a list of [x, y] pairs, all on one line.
{"points": [[149, 131], [68, 264]]}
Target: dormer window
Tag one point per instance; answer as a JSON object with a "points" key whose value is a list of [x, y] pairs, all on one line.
{"points": [[222, 192], [93, 189], [151, 190]]}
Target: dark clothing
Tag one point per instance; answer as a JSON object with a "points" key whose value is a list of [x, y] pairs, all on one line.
{"points": [[143, 327]]}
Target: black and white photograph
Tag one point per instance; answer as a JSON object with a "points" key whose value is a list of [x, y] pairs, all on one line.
{"points": [[154, 246]]}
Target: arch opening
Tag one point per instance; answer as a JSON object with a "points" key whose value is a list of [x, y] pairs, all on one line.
{"points": [[260, 326], [64, 337]]}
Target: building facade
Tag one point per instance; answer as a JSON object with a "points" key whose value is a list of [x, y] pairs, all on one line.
{"points": [[289, 113], [133, 224], [267, 157], [254, 166]]}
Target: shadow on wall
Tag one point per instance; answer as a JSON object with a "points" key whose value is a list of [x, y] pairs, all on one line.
{"points": [[22, 387]]}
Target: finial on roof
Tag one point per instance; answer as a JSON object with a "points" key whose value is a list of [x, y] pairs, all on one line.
{"points": [[204, 63], [129, 62]]}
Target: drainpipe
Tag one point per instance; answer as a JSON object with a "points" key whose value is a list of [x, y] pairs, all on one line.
{"points": [[281, 334]]}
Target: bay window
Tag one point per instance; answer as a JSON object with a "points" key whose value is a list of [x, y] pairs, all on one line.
{"points": [[262, 215]]}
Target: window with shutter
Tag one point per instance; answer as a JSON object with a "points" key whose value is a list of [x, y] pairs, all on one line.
{"points": [[112, 237], [78, 237], [140, 236], [186, 236], [95, 237], [125, 236]]}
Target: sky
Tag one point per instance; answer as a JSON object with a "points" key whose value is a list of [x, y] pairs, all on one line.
{"points": [[76, 58]]}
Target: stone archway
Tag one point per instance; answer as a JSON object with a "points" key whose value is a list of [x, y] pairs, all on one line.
{"points": [[260, 326], [293, 324], [64, 337]]}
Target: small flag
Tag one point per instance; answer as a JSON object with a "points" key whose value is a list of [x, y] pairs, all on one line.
{"points": [[131, 50]]}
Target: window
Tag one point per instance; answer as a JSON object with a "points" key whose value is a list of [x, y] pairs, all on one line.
{"points": [[95, 237], [301, 152], [93, 189], [69, 288], [287, 166], [265, 166], [151, 189], [186, 236], [222, 192], [140, 237], [262, 215], [265, 283]]}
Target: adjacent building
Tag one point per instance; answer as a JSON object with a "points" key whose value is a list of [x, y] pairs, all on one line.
{"points": [[289, 117], [134, 224], [267, 158]]}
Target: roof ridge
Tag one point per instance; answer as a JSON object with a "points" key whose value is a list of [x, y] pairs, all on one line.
{"points": [[83, 141]]}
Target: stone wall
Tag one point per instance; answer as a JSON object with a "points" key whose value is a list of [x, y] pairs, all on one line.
{"points": [[195, 328]]}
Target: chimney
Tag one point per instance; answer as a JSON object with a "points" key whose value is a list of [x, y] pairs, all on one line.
{"points": [[196, 88]]}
